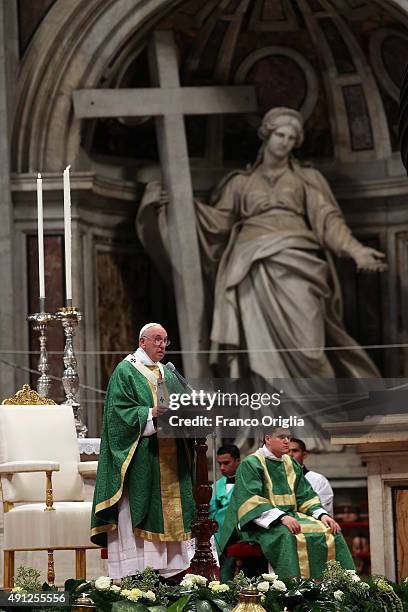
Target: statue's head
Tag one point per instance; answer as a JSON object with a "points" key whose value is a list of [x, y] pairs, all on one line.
{"points": [[278, 117]]}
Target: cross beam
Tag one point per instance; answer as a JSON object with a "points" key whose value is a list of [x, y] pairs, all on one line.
{"points": [[169, 102]]}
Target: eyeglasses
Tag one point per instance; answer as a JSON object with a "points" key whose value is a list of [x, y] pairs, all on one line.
{"points": [[158, 340]]}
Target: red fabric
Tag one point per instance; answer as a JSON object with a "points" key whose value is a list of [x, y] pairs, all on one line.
{"points": [[244, 549], [104, 553]]}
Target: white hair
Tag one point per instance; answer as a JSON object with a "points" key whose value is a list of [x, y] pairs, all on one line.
{"points": [[146, 327]]}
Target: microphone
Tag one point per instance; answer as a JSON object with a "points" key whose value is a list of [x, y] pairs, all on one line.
{"points": [[170, 366]]}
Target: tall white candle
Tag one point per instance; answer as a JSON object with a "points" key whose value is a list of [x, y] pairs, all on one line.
{"points": [[40, 229], [67, 234]]}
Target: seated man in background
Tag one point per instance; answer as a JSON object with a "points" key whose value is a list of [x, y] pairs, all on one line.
{"points": [[273, 505], [228, 458], [318, 482]]}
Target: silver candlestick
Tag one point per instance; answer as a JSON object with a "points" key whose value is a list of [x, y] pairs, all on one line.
{"points": [[41, 320], [70, 317]]}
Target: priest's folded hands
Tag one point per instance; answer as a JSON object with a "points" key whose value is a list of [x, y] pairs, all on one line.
{"points": [[294, 526]]}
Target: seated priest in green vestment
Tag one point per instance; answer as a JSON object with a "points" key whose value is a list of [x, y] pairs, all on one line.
{"points": [[273, 505], [143, 502], [228, 459]]}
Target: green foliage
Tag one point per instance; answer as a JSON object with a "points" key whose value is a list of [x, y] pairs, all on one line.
{"points": [[402, 591], [339, 590], [128, 606], [27, 579], [180, 604]]}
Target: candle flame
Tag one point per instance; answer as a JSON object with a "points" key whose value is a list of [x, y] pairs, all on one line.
{"points": [[67, 168], [39, 175]]}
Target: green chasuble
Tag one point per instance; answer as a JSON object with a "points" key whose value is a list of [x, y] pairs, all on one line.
{"points": [[263, 483], [156, 471]]}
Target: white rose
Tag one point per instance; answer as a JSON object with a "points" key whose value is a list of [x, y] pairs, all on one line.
{"points": [[270, 577], [103, 583], [150, 595], [200, 580], [279, 585], [213, 584], [135, 594], [220, 588], [115, 588], [338, 595], [353, 575], [263, 587], [188, 582]]}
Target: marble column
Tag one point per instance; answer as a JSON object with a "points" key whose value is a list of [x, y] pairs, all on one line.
{"points": [[8, 70]]}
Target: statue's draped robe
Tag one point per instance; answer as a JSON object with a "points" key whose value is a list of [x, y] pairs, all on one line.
{"points": [[266, 484], [267, 246], [145, 479], [276, 287]]}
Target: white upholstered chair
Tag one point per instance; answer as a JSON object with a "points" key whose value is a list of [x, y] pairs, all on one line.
{"points": [[42, 485]]}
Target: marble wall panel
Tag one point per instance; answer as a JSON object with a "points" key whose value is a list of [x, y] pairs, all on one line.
{"points": [[341, 53], [361, 135], [54, 291], [401, 241], [362, 304], [130, 293]]}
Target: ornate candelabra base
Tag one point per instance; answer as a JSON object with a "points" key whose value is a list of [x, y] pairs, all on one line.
{"points": [[70, 317], [40, 322]]}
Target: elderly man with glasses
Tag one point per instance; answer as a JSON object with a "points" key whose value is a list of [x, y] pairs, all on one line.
{"points": [[143, 501]]}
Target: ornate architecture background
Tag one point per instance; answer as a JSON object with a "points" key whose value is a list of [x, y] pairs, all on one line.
{"points": [[340, 62]]}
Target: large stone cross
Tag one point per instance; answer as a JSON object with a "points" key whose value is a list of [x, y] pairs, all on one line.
{"points": [[168, 103]]}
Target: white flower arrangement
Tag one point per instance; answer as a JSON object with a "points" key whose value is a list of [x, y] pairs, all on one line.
{"points": [[353, 575], [279, 585], [263, 587], [338, 595], [149, 595], [103, 583], [136, 594], [115, 588], [270, 577], [193, 581], [217, 587]]}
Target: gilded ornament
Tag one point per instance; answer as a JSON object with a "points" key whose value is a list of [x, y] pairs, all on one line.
{"points": [[249, 600], [83, 604], [28, 397]]}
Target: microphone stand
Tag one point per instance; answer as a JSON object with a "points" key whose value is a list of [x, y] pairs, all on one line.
{"points": [[202, 528]]}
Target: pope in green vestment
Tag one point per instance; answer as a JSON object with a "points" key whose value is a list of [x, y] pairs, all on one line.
{"points": [[157, 472], [270, 489]]}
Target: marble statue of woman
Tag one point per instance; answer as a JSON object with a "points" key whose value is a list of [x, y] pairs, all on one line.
{"points": [[269, 232], [273, 228]]}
